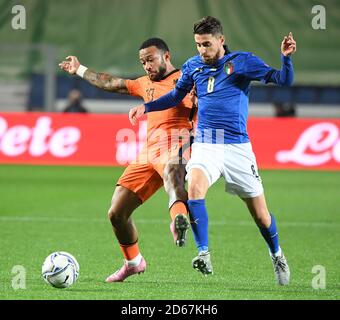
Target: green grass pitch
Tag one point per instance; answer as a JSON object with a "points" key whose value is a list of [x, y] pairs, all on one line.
{"points": [[45, 209]]}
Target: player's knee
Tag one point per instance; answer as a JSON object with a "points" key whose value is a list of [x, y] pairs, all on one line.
{"points": [[196, 191], [262, 218], [111, 214], [198, 184], [115, 216]]}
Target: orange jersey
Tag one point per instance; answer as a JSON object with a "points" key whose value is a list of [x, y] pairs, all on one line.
{"points": [[145, 176], [173, 118]]}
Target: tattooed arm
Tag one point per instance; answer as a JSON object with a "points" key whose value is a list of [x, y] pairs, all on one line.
{"points": [[101, 80], [106, 81]]}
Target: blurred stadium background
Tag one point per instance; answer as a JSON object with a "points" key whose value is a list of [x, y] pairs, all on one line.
{"points": [[49, 208], [106, 34]]}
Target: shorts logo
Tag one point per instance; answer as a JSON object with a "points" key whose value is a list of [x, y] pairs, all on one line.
{"points": [[255, 174]]}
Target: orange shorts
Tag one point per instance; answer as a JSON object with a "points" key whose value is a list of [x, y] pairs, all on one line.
{"points": [[145, 176]]}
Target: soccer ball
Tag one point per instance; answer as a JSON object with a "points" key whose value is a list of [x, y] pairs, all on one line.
{"points": [[60, 269]]}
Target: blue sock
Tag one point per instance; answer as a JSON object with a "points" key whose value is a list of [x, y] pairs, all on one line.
{"points": [[199, 225], [271, 236]]}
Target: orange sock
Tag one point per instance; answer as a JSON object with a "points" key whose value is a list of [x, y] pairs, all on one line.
{"points": [[178, 207], [130, 251]]}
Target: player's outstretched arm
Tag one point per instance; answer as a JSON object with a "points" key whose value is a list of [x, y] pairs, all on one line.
{"points": [[288, 45], [169, 100], [165, 102], [101, 80], [282, 77], [285, 76]]}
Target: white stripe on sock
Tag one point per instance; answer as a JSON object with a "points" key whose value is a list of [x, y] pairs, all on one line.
{"points": [[278, 253], [135, 261]]}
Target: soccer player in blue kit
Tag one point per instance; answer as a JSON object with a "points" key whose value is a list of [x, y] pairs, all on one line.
{"points": [[222, 146]]}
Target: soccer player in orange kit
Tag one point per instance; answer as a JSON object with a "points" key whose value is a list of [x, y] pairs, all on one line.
{"points": [[161, 161]]}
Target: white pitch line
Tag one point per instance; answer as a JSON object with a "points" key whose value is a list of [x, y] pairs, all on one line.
{"points": [[241, 223]]}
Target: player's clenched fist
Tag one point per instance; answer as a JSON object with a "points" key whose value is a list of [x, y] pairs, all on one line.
{"points": [[71, 64], [288, 45], [135, 113]]}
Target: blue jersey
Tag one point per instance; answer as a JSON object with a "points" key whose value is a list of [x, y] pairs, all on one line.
{"points": [[223, 93]]}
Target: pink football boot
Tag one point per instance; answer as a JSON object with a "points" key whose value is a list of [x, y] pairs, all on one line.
{"points": [[126, 271]]}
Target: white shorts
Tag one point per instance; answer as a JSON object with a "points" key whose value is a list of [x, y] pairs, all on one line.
{"points": [[235, 162]]}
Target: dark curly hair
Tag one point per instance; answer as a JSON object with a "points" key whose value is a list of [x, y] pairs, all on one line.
{"points": [[157, 42], [208, 25]]}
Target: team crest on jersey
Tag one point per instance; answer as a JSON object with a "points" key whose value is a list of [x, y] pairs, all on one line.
{"points": [[229, 68]]}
